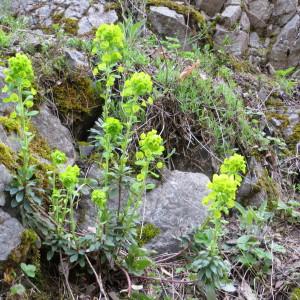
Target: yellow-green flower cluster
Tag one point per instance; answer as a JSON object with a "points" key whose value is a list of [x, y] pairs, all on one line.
{"points": [[224, 186], [112, 127], [234, 165], [222, 196], [69, 178], [99, 198], [151, 145], [19, 73], [139, 84], [109, 44], [58, 157]]}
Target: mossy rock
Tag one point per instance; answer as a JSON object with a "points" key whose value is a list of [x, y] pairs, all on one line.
{"points": [[294, 140], [8, 157], [269, 186], [187, 10], [77, 101], [70, 25], [10, 124]]}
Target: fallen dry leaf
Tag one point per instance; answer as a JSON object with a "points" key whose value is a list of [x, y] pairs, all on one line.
{"points": [[188, 70]]}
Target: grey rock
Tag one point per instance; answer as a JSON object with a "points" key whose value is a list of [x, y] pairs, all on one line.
{"points": [[231, 15], [77, 9], [76, 59], [85, 149], [84, 26], [5, 108], [167, 22], [233, 2], [10, 235], [284, 10], [55, 134], [259, 14], [296, 74], [271, 69], [286, 50], [9, 139], [97, 16], [211, 7], [175, 208], [245, 22], [237, 40], [5, 179], [250, 192], [254, 41]]}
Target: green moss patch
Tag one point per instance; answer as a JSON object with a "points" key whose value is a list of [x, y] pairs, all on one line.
{"points": [[11, 125], [76, 97], [147, 233], [294, 139], [8, 157], [70, 25]]}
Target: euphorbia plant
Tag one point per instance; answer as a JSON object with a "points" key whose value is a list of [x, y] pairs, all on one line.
{"points": [[211, 269], [19, 78]]}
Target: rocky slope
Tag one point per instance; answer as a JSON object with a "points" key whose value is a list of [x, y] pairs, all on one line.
{"points": [[263, 36]]}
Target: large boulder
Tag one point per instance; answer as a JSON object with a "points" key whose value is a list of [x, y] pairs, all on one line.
{"points": [[235, 42], [168, 23], [286, 50], [175, 208], [10, 235]]}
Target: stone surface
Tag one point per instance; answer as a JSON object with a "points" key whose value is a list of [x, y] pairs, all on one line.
{"points": [[231, 15], [237, 41], [259, 13], [10, 234], [88, 14], [211, 7], [233, 2], [175, 207], [249, 192], [254, 41], [245, 23], [286, 50], [284, 10], [55, 134], [5, 179], [76, 59], [168, 23]]}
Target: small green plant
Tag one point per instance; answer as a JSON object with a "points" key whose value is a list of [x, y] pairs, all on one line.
{"points": [[19, 86], [208, 263], [4, 39], [285, 84], [29, 270]]}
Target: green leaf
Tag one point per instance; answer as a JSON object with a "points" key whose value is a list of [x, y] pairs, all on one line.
{"points": [[29, 270], [20, 197], [73, 258], [32, 113], [17, 289], [278, 248]]}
